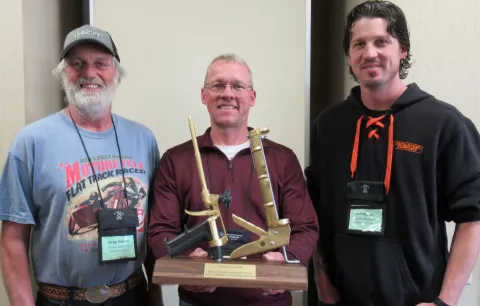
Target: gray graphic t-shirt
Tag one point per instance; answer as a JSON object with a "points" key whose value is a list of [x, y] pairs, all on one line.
{"points": [[48, 182]]}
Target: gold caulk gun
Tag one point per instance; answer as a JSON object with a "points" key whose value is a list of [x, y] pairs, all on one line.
{"points": [[278, 234], [206, 231]]}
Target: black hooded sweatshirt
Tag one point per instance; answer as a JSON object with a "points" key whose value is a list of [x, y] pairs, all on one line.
{"points": [[425, 154]]}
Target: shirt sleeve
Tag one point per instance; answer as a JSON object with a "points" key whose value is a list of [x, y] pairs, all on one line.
{"points": [[297, 206], [459, 175], [16, 199], [165, 211]]}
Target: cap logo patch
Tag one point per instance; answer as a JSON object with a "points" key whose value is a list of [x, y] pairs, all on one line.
{"points": [[87, 32]]}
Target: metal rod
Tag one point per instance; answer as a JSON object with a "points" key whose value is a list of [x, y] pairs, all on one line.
{"points": [[198, 159], [284, 251]]}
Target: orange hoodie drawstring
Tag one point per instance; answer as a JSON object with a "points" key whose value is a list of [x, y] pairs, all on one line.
{"points": [[373, 133]]}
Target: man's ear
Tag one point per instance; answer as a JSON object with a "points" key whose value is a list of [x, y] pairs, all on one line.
{"points": [[404, 52], [202, 94], [253, 98]]}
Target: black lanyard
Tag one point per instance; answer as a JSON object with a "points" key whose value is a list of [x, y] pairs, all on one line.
{"points": [[102, 204], [247, 203]]}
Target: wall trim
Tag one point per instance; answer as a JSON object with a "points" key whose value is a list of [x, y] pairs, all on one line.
{"points": [[308, 31], [90, 12]]}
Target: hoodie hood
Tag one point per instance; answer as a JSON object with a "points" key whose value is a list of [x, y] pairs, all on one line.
{"points": [[375, 120], [413, 94]]}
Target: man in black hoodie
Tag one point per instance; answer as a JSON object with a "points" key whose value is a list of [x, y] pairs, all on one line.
{"points": [[389, 165]]}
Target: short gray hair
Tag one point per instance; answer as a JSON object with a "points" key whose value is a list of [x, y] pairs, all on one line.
{"points": [[59, 70], [229, 58]]}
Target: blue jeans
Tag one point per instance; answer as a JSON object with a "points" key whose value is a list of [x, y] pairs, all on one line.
{"points": [[182, 303]]}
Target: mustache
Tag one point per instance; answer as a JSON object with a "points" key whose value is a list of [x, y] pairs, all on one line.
{"points": [[369, 63], [96, 81]]}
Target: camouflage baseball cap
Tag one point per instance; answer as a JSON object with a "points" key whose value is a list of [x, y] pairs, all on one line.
{"points": [[89, 34]]}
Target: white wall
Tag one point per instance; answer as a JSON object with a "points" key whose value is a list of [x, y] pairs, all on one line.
{"points": [[166, 47], [12, 108]]}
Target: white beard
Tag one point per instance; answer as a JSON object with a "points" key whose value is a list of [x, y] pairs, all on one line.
{"points": [[92, 104]]}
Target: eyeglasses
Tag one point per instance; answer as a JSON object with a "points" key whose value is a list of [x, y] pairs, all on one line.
{"points": [[238, 88]]}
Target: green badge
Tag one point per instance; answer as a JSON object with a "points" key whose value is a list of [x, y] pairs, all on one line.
{"points": [[366, 220], [118, 247]]}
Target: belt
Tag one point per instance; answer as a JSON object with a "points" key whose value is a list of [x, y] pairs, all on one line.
{"points": [[96, 294]]}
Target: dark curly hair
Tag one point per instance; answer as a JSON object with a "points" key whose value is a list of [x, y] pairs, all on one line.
{"points": [[396, 27]]}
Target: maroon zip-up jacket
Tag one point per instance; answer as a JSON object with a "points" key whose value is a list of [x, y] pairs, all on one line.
{"points": [[177, 187]]}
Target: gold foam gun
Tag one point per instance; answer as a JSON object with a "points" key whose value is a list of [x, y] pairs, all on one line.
{"points": [[206, 231], [278, 233]]}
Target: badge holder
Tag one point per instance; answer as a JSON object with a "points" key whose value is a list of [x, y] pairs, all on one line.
{"points": [[117, 234], [366, 211]]}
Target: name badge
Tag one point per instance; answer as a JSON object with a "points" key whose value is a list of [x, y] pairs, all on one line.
{"points": [[118, 247], [117, 234], [366, 219]]}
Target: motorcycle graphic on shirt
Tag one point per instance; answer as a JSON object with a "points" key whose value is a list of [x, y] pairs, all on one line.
{"points": [[82, 216]]}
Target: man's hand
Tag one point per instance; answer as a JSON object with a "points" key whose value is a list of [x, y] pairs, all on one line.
{"points": [[426, 304], [464, 253], [327, 293], [199, 253], [278, 257], [15, 266]]}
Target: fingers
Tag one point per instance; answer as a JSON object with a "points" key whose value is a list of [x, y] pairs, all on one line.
{"points": [[274, 256], [199, 288], [199, 252], [272, 291]]}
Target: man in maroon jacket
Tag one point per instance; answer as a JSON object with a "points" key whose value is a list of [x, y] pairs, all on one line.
{"points": [[228, 165]]}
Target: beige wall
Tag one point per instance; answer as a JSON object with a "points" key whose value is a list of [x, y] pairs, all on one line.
{"points": [[41, 41], [12, 108], [30, 32], [166, 46], [11, 75]]}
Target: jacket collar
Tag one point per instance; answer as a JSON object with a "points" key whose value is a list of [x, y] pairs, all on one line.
{"points": [[205, 140]]}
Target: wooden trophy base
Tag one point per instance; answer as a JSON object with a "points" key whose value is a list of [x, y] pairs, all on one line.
{"points": [[248, 273]]}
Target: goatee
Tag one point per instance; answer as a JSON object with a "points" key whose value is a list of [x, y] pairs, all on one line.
{"points": [[91, 104]]}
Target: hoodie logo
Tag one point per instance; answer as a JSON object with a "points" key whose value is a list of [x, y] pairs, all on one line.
{"points": [[365, 188], [408, 146]]}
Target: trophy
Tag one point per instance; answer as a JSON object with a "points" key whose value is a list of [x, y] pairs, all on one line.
{"points": [[278, 233], [207, 230], [238, 271]]}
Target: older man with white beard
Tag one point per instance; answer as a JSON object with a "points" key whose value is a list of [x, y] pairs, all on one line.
{"points": [[64, 189]]}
